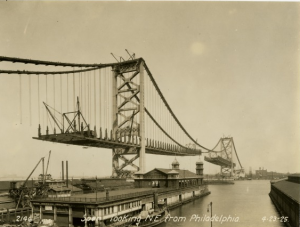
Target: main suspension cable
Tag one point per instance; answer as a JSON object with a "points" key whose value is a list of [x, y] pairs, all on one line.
{"points": [[170, 110]]}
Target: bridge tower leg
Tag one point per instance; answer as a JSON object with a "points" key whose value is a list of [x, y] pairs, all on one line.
{"points": [[128, 114], [142, 151], [115, 156]]}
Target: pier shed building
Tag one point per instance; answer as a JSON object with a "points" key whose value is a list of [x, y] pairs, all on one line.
{"points": [[170, 178], [105, 208], [285, 195]]}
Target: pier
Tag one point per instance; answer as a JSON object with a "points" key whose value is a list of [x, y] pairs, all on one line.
{"points": [[285, 195]]}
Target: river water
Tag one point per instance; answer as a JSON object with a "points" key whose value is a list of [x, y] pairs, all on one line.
{"points": [[243, 204]]}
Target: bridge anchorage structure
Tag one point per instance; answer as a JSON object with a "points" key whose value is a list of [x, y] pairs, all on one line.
{"points": [[119, 106], [225, 158]]}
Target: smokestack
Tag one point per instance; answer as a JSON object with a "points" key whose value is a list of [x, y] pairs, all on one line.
{"points": [[62, 173], [67, 178], [43, 179]]}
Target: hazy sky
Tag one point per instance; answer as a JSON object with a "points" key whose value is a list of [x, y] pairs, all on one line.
{"points": [[226, 68]]}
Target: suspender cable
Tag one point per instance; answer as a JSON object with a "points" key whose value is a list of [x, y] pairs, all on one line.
{"points": [[80, 84], [107, 92], [43, 117], [105, 87], [29, 99], [61, 95], [54, 94], [78, 93], [47, 96], [90, 93], [100, 98], [67, 92], [20, 83], [89, 98], [109, 110], [74, 92], [84, 91], [95, 96], [38, 80]]}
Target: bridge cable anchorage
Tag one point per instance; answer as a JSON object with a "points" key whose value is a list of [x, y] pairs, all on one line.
{"points": [[169, 108]]}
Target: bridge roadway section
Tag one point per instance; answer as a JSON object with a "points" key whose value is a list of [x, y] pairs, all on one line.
{"points": [[126, 145]]}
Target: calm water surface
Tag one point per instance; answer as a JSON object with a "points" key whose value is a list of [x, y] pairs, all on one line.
{"points": [[246, 200]]}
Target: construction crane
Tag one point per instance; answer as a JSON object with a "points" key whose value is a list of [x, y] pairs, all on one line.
{"points": [[43, 177], [23, 194]]}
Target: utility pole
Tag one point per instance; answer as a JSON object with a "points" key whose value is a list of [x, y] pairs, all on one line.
{"points": [[210, 205]]}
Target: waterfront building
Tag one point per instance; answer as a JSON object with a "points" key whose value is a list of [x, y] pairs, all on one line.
{"points": [[106, 208], [285, 195], [170, 178], [264, 174]]}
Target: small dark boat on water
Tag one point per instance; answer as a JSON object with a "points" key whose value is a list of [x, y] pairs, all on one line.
{"points": [[151, 218]]}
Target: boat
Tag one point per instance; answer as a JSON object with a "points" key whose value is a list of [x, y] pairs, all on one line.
{"points": [[149, 218]]}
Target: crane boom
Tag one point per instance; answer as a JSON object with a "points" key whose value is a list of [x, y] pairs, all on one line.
{"points": [[47, 164], [32, 172], [27, 180]]}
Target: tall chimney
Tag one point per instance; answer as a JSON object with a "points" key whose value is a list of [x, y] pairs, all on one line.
{"points": [[62, 173], [43, 179], [67, 169]]}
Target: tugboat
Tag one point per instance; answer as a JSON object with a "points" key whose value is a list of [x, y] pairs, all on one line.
{"points": [[152, 217]]}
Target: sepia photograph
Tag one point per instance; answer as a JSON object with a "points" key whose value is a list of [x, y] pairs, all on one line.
{"points": [[149, 113]]}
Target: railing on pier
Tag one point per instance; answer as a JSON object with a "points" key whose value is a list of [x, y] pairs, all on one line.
{"points": [[118, 197]]}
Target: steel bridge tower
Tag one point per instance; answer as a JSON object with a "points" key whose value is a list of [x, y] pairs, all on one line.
{"points": [[226, 144], [128, 107]]}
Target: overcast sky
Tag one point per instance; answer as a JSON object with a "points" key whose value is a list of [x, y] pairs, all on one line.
{"points": [[226, 69]]}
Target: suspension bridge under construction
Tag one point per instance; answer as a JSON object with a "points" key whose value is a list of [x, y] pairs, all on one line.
{"points": [[117, 106]]}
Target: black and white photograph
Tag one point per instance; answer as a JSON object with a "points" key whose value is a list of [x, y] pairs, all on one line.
{"points": [[149, 113]]}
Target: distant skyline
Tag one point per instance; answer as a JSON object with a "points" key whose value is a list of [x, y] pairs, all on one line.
{"points": [[225, 68]]}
